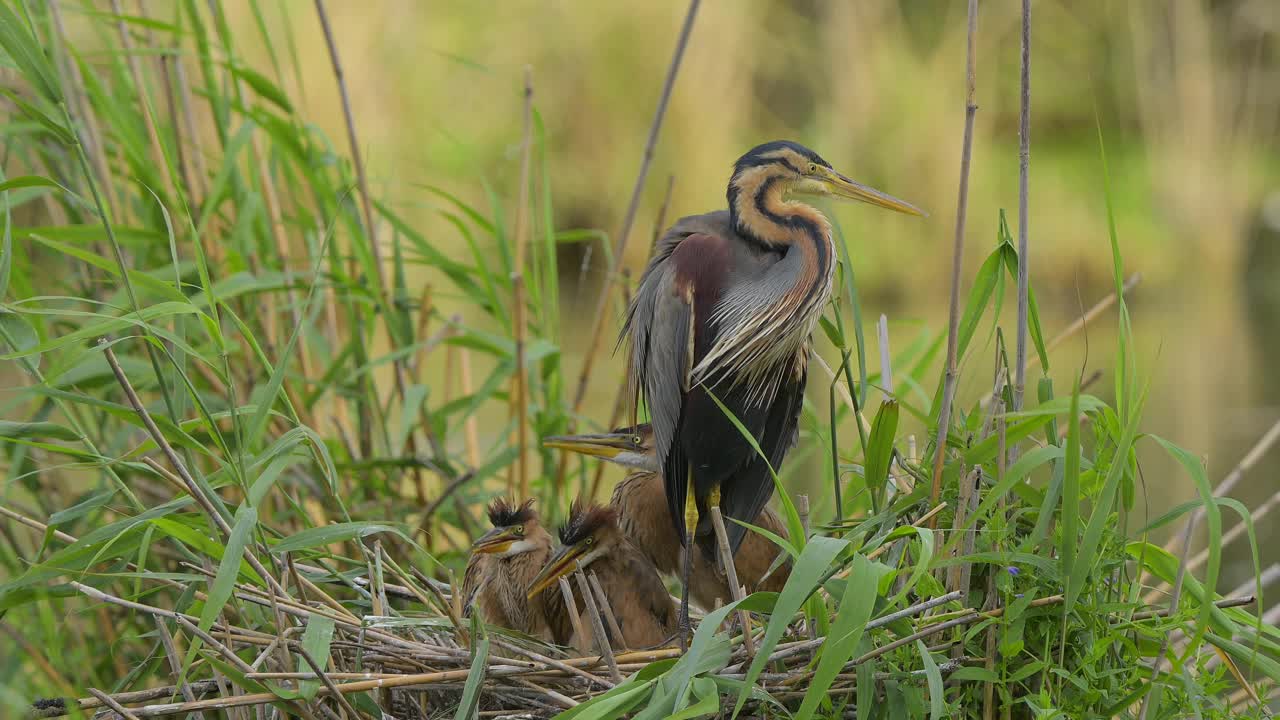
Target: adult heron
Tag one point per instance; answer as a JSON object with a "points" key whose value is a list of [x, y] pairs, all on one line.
{"points": [[720, 332]]}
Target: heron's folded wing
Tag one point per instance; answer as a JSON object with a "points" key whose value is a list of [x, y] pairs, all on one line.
{"points": [[668, 328], [750, 494]]}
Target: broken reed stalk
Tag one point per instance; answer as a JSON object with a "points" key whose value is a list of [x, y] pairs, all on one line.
{"points": [[110, 702], [602, 302], [575, 619], [606, 609], [1024, 162], [597, 625], [731, 575], [519, 475], [962, 204]]}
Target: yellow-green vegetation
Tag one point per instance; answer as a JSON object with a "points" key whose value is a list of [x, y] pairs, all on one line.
{"points": [[264, 363]]}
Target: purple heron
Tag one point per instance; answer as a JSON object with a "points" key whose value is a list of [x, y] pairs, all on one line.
{"points": [[644, 518], [722, 324], [591, 539], [503, 563]]}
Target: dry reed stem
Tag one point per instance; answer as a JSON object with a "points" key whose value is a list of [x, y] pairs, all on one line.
{"points": [[567, 668], [110, 702], [597, 626], [362, 181], [607, 610], [135, 71], [731, 573], [602, 303], [962, 205], [519, 405], [175, 660], [571, 607], [79, 97], [1024, 162], [787, 650]]}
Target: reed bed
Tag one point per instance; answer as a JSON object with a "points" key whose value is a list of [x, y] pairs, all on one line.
{"points": [[248, 445]]}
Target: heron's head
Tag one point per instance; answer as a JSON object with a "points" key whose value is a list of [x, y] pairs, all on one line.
{"points": [[630, 447], [590, 533], [769, 171], [515, 530]]}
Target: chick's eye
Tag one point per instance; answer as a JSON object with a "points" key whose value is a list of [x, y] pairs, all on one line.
{"points": [[590, 540], [635, 439], [519, 531]]}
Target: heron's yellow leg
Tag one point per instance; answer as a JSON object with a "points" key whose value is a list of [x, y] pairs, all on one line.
{"points": [[690, 510]]}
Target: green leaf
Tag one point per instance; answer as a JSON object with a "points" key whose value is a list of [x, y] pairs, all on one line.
{"points": [[57, 129], [934, 677], [11, 430], [856, 605], [880, 445], [708, 700], [225, 579], [335, 533], [1213, 518], [315, 641], [1071, 487], [27, 54], [809, 570], [262, 86], [470, 701]]}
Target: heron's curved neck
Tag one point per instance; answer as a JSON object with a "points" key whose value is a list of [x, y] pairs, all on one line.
{"points": [[762, 215]]}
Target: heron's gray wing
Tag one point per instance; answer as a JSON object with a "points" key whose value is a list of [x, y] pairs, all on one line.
{"points": [[668, 326]]}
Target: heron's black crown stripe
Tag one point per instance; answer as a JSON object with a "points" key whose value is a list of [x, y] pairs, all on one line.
{"points": [[584, 521], [505, 513]]}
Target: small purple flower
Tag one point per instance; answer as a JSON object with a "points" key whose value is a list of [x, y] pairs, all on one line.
{"points": [[1018, 595], [1013, 571]]}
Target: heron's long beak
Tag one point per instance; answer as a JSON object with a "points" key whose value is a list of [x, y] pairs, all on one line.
{"points": [[842, 187], [497, 540], [606, 445], [560, 564]]}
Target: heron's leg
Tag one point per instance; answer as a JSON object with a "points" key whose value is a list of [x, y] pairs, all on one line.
{"points": [[690, 522], [713, 500]]}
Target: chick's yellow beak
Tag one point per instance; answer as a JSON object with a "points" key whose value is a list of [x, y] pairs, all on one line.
{"points": [[560, 564], [830, 182], [497, 540], [606, 445]]}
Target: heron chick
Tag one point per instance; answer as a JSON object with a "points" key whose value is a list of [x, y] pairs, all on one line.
{"points": [[591, 540], [503, 563], [644, 518]]}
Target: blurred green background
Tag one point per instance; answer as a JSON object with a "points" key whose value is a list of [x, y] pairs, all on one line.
{"points": [[1187, 95]]}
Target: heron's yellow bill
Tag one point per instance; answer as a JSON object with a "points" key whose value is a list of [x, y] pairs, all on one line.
{"points": [[560, 564], [497, 540], [830, 182], [604, 445]]}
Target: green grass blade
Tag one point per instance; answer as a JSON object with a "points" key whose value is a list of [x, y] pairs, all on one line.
{"points": [[805, 576], [856, 605]]}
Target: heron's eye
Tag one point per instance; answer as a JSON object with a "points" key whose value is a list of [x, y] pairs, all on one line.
{"points": [[589, 541], [635, 439], [813, 168], [520, 531]]}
